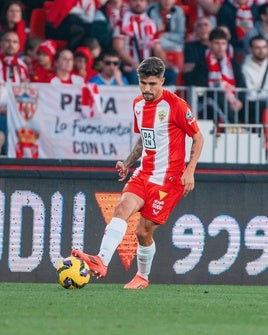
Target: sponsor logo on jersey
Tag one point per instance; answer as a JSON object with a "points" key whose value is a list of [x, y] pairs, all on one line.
{"points": [[148, 138], [189, 116]]}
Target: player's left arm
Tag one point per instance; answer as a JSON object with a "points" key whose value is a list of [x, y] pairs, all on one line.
{"points": [[188, 175]]}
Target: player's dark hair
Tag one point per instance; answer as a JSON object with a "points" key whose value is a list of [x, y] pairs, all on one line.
{"points": [[151, 66]]}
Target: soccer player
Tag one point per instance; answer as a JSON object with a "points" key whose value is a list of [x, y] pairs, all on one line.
{"points": [[163, 121]]}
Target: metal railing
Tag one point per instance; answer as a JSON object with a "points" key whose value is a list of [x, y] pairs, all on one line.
{"points": [[231, 136], [212, 103], [238, 144]]}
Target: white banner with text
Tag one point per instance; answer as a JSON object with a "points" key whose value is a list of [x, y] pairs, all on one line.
{"points": [[70, 121]]}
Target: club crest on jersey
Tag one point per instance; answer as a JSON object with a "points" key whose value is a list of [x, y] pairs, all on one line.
{"points": [[189, 116], [161, 115]]}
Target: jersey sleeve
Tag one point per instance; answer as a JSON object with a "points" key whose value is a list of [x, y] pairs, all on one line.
{"points": [[185, 118], [135, 125]]}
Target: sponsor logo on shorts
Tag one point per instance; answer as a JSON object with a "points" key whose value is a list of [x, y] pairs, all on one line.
{"points": [[162, 195], [157, 206]]}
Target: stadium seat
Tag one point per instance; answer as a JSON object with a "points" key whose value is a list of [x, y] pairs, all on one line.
{"points": [[60, 44], [47, 5], [37, 23]]}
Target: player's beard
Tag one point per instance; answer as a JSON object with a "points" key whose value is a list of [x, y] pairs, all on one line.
{"points": [[148, 96]]}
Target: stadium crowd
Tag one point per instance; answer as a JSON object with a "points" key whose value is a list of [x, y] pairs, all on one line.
{"points": [[211, 43]]}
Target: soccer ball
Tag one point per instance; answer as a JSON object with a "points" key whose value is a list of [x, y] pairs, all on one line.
{"points": [[72, 272]]}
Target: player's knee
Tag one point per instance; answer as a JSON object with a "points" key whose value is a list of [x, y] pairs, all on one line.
{"points": [[120, 210], [124, 209], [144, 236]]}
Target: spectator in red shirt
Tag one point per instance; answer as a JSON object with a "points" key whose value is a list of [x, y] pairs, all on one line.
{"points": [[83, 63], [12, 19], [45, 62]]}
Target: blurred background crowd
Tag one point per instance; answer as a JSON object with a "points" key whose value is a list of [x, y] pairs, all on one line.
{"points": [[104, 40]]}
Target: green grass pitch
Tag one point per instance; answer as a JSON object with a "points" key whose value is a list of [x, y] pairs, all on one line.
{"points": [[100, 309]]}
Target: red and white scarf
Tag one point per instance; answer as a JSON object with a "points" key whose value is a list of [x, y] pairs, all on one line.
{"points": [[243, 18], [220, 72], [13, 69]]}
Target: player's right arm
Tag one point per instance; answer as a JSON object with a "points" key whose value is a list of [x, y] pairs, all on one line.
{"points": [[135, 154]]}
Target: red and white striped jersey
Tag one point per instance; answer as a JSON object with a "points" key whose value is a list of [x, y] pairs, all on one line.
{"points": [[13, 69], [138, 31], [115, 14], [86, 9], [163, 126]]}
